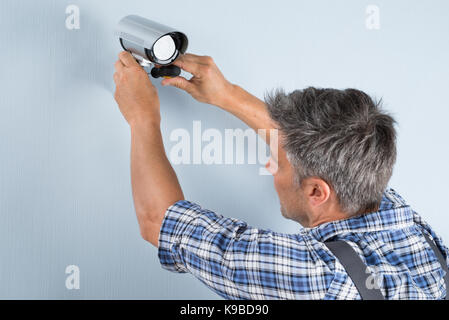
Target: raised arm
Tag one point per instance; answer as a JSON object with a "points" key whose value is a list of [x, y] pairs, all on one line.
{"points": [[208, 85], [154, 183]]}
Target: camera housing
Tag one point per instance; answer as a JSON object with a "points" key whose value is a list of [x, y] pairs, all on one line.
{"points": [[151, 42]]}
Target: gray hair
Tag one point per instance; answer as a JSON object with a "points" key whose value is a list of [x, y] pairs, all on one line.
{"points": [[340, 136]]}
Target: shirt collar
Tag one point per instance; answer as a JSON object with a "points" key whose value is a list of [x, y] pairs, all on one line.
{"points": [[393, 213]]}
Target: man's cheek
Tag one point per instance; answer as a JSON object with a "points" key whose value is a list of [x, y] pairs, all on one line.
{"points": [[278, 184]]}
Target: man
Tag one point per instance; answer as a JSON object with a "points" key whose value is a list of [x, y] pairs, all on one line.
{"points": [[337, 154]]}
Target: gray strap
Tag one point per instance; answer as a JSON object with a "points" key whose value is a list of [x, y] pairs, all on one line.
{"points": [[442, 262], [355, 268]]}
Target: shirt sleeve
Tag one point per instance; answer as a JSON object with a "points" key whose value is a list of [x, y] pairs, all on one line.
{"points": [[238, 261]]}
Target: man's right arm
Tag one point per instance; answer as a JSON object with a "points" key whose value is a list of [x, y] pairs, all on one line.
{"points": [[208, 85], [249, 109]]}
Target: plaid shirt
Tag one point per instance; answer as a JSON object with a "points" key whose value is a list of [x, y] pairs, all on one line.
{"points": [[241, 262]]}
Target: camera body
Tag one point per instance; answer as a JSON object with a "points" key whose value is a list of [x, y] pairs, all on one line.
{"points": [[152, 43]]}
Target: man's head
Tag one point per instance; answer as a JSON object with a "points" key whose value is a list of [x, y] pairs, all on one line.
{"points": [[340, 148]]}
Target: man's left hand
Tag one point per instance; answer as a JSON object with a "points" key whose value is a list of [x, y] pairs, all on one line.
{"points": [[135, 94]]}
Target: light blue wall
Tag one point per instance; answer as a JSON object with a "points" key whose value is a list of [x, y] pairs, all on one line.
{"points": [[65, 195]]}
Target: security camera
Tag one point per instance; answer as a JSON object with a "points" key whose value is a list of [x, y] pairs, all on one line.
{"points": [[152, 43]]}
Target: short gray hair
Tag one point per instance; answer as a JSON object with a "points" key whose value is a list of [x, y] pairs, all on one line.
{"points": [[340, 136]]}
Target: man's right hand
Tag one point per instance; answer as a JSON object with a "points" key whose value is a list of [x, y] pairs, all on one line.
{"points": [[208, 85]]}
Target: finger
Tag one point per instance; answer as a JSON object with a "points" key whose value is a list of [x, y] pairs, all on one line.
{"points": [[189, 63], [119, 66], [178, 82], [195, 58], [127, 59]]}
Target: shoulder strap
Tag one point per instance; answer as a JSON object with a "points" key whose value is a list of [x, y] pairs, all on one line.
{"points": [[355, 268], [442, 262]]}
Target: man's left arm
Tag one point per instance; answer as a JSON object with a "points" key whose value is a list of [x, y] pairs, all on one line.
{"points": [[155, 186]]}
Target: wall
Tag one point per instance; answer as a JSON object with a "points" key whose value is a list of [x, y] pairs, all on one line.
{"points": [[65, 194]]}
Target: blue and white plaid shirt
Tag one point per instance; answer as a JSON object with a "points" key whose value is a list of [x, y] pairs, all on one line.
{"points": [[241, 262]]}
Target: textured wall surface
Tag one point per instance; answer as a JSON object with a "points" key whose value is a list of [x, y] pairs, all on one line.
{"points": [[65, 193]]}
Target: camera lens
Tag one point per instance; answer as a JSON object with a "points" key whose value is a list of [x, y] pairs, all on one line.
{"points": [[164, 48]]}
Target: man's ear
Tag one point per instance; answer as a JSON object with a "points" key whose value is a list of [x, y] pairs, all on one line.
{"points": [[316, 190]]}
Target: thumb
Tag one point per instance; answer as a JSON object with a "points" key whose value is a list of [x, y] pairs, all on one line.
{"points": [[178, 82]]}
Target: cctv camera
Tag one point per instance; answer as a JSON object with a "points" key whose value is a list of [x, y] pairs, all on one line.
{"points": [[152, 43]]}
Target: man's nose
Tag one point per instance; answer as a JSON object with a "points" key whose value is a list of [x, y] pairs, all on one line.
{"points": [[269, 166]]}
